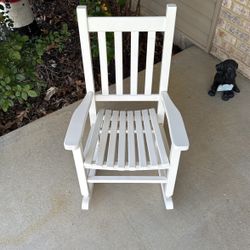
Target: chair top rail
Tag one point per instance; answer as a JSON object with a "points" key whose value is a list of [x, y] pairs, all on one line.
{"points": [[127, 24]]}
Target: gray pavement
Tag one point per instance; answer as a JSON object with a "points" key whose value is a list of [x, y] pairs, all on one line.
{"points": [[40, 198]]}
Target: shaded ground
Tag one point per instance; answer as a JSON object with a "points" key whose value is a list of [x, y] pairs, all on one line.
{"points": [[62, 72]]}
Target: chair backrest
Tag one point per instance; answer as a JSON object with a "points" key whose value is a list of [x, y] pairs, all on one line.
{"points": [[101, 25]]}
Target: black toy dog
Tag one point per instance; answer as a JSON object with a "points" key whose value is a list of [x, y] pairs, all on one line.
{"points": [[226, 73]]}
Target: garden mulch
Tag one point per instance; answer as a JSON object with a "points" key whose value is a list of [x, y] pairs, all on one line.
{"points": [[62, 71]]}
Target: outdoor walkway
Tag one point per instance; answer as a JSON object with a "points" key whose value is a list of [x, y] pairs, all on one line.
{"points": [[40, 198]]}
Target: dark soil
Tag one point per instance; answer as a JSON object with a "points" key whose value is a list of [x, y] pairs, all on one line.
{"points": [[63, 71]]}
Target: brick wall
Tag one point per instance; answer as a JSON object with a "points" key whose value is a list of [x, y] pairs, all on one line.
{"points": [[232, 35]]}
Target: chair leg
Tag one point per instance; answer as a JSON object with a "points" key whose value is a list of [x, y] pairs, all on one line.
{"points": [[85, 203], [172, 171], [82, 177], [168, 189], [168, 201], [86, 199]]}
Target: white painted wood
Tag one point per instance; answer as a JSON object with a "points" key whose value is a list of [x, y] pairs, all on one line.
{"points": [[103, 137], [149, 62], [176, 126], [111, 143], [149, 138], [112, 163], [127, 179], [77, 123], [127, 98], [88, 141], [166, 55], [86, 199], [85, 47], [103, 62], [131, 140], [172, 172], [167, 46], [112, 140], [86, 56], [122, 140], [126, 24], [94, 138], [134, 62], [118, 63], [140, 139], [85, 203], [158, 137], [168, 202], [81, 174], [126, 167]]}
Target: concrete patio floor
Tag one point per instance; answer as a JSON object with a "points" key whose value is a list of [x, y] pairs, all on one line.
{"points": [[40, 198]]}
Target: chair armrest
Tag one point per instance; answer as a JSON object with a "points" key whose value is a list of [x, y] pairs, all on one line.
{"points": [[177, 129], [77, 123]]}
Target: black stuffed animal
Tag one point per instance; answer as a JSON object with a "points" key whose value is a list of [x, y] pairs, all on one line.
{"points": [[225, 77]]}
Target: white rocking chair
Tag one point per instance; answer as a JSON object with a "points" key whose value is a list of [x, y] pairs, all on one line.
{"points": [[126, 140]]}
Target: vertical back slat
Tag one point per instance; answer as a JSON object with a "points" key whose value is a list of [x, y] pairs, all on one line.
{"points": [[134, 62], [103, 61], [150, 62], [118, 63]]}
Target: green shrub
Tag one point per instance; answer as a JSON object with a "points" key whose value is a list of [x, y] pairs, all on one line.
{"points": [[19, 59]]}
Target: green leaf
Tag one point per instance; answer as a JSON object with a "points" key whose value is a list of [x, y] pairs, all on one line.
{"points": [[20, 77], [7, 79], [27, 87], [7, 87], [5, 107], [39, 61], [32, 93], [5, 104], [17, 47], [24, 38], [24, 96], [16, 55]]}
